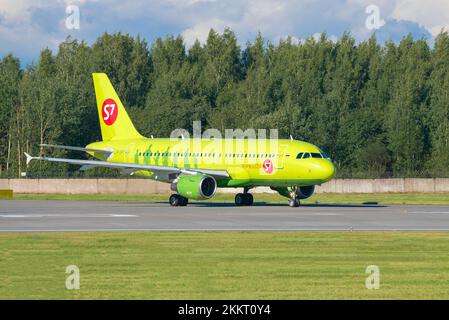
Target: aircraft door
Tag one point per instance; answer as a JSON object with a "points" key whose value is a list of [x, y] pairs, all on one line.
{"points": [[281, 157], [129, 152]]}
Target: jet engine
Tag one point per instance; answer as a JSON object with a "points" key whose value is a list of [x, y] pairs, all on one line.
{"points": [[197, 186]]}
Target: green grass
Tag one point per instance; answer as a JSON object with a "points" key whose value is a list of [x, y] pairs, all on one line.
{"points": [[225, 265], [381, 198]]}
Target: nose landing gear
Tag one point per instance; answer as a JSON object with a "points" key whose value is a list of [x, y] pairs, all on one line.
{"points": [[294, 202], [294, 199]]}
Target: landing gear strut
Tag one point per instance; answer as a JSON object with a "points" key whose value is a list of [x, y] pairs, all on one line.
{"points": [[294, 199], [178, 200], [293, 202], [244, 199]]}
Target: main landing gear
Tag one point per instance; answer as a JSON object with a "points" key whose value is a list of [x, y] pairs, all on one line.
{"points": [[178, 200], [244, 199]]}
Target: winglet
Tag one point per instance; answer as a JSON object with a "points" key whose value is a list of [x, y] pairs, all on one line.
{"points": [[29, 158]]}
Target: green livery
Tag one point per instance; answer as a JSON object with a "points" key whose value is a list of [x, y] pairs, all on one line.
{"points": [[245, 167]]}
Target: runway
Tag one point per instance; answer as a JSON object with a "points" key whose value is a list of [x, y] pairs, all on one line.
{"points": [[22, 216]]}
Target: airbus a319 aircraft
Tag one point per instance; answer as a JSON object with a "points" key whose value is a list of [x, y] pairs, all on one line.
{"points": [[195, 168]]}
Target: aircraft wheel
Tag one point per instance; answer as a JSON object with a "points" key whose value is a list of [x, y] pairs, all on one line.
{"points": [[174, 200], [293, 203], [240, 199], [183, 201], [249, 199]]}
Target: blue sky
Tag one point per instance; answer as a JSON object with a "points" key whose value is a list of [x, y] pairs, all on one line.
{"points": [[27, 26]]}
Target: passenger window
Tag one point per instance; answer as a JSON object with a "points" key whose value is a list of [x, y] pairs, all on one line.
{"points": [[316, 155], [306, 155], [299, 156]]}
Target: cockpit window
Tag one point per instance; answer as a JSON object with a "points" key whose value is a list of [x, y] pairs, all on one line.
{"points": [[316, 155], [299, 156], [306, 155], [325, 156]]}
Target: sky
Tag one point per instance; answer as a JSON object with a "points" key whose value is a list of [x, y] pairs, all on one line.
{"points": [[27, 26]]}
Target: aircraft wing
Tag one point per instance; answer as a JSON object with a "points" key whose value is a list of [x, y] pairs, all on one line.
{"points": [[161, 172]]}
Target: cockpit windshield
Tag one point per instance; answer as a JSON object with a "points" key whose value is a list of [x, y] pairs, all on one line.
{"points": [[315, 155], [325, 156], [306, 155]]}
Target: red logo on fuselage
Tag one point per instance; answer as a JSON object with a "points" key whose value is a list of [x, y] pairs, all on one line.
{"points": [[267, 166], [109, 111]]}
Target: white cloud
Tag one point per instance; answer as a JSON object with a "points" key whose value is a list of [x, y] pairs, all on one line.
{"points": [[200, 31], [317, 37], [186, 3], [432, 14], [19, 33], [258, 15], [16, 11], [265, 16], [26, 26]]}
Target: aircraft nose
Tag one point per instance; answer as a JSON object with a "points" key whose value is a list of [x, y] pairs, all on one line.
{"points": [[328, 170]]}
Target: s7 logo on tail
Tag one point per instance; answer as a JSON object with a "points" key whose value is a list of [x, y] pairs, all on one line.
{"points": [[109, 111]]}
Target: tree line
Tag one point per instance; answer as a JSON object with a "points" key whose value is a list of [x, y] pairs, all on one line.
{"points": [[377, 110]]}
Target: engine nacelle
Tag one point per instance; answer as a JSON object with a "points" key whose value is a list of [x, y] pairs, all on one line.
{"points": [[301, 192], [197, 186], [305, 192]]}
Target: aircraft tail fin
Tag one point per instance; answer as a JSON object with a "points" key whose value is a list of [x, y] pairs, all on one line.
{"points": [[115, 123]]}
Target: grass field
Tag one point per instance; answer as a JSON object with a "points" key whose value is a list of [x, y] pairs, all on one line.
{"points": [[225, 265], [381, 198]]}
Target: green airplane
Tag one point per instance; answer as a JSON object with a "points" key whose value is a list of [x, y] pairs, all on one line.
{"points": [[196, 167]]}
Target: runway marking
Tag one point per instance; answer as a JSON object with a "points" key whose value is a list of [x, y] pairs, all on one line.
{"points": [[426, 212], [123, 215], [229, 230], [277, 214], [12, 216], [67, 216], [322, 214]]}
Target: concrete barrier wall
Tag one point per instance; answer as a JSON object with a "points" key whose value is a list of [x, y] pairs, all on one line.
{"points": [[146, 186], [85, 186]]}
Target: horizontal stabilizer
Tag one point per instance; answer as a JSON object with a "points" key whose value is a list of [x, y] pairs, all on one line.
{"points": [[29, 158], [107, 153]]}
